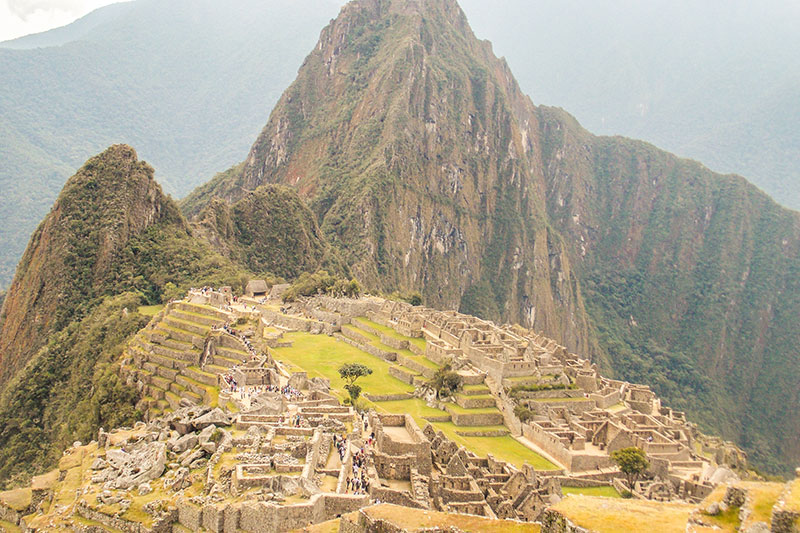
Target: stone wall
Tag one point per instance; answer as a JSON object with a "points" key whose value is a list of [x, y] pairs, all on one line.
{"points": [[369, 348]]}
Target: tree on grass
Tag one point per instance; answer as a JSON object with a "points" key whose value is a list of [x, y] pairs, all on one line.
{"points": [[632, 462], [445, 382], [350, 372]]}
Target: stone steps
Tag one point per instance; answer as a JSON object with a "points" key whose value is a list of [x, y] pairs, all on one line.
{"points": [[196, 318], [169, 373], [173, 399], [226, 362], [178, 345], [471, 390], [184, 356], [187, 326], [160, 381], [180, 335], [193, 386], [169, 362], [475, 402], [155, 392], [205, 310], [215, 369], [201, 376], [231, 353]]}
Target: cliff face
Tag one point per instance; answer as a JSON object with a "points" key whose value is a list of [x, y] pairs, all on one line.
{"points": [[691, 279], [111, 199], [428, 169]]}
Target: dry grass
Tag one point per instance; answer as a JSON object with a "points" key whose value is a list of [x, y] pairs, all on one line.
{"points": [[17, 499], [608, 515], [45, 481], [414, 519], [764, 496]]}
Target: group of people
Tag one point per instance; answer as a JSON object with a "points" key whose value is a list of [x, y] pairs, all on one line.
{"points": [[340, 443], [360, 482]]}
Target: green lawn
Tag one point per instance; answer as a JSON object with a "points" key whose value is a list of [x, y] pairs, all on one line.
{"points": [[321, 356], [416, 407], [505, 448], [419, 341], [150, 310], [607, 492]]}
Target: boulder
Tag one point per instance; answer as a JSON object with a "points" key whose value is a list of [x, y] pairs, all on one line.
{"points": [[216, 417], [184, 443]]}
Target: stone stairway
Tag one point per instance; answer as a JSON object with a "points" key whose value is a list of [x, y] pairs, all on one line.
{"points": [[165, 360]]}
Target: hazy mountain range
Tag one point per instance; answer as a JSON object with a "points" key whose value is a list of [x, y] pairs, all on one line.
{"points": [[190, 82]]}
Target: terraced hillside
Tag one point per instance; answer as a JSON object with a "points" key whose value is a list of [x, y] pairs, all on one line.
{"points": [[171, 361]]}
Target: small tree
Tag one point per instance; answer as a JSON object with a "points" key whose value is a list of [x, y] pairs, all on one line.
{"points": [[632, 462], [350, 372], [445, 381]]}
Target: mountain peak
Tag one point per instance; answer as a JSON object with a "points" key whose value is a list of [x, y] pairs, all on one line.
{"points": [[112, 198]]}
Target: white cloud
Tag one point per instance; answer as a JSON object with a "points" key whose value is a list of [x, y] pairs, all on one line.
{"points": [[23, 17]]}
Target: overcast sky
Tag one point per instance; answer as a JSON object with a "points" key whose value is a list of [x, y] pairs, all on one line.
{"points": [[23, 17]]}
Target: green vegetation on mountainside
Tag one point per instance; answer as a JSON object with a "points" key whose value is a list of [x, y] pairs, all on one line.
{"points": [[269, 230], [68, 390], [691, 281], [111, 243]]}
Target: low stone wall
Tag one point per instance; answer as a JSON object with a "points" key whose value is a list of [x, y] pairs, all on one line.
{"points": [[402, 374], [417, 367], [387, 495], [476, 419], [164, 526], [393, 342], [388, 397], [582, 483], [295, 323], [370, 349], [349, 306]]}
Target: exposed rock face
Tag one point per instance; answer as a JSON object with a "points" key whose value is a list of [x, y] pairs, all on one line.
{"points": [[111, 199], [418, 153], [428, 169]]}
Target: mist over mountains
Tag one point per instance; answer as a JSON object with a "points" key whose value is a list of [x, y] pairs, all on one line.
{"points": [[190, 83], [718, 82]]}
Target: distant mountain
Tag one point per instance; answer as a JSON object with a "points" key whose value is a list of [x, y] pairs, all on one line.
{"points": [[715, 81], [429, 169], [189, 82]]}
